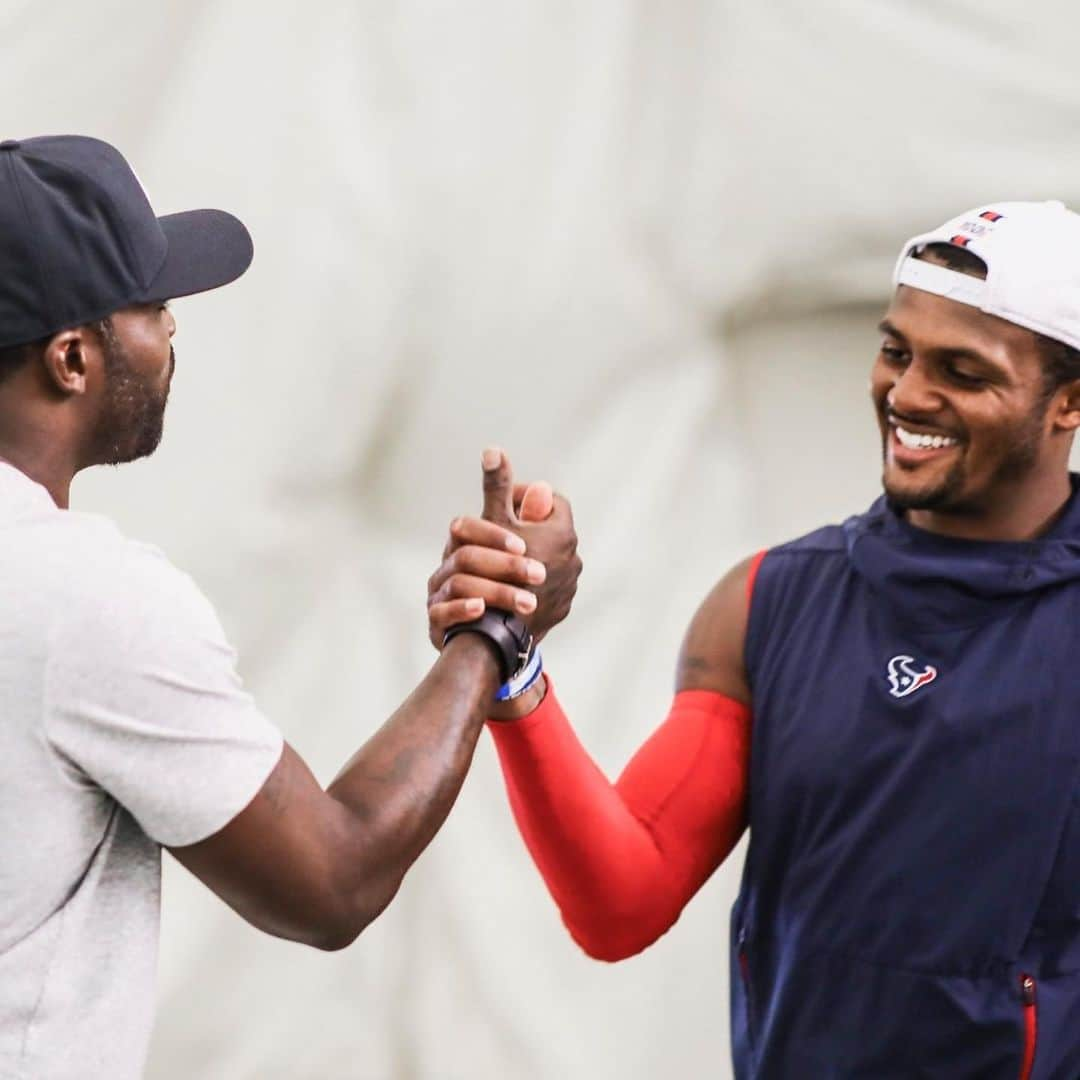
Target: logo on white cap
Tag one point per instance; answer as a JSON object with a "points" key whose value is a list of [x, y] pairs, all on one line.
{"points": [[1032, 255]]}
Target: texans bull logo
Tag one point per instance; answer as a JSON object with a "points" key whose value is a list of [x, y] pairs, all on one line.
{"points": [[904, 679]]}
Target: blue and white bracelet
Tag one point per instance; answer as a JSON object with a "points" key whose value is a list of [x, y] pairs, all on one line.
{"points": [[522, 679]]}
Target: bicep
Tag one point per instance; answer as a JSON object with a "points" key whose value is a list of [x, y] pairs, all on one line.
{"points": [[711, 657], [274, 863]]}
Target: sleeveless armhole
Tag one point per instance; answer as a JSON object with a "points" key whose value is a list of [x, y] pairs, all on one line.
{"points": [[753, 617], [751, 577]]}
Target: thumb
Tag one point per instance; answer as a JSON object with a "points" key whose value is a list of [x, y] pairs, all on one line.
{"points": [[537, 502], [498, 486]]}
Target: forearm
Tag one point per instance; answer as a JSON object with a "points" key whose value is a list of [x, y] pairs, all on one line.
{"points": [[397, 790], [593, 854], [621, 860]]}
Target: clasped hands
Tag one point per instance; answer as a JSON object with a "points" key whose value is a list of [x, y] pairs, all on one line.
{"points": [[519, 555]]}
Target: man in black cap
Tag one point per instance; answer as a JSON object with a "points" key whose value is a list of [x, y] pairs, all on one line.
{"points": [[125, 725]]}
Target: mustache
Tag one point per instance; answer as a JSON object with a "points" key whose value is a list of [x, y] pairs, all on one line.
{"points": [[916, 420]]}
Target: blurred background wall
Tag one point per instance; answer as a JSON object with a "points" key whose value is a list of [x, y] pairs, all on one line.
{"points": [[644, 247]]}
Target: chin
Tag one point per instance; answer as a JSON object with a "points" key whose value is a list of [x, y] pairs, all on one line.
{"points": [[134, 451], [145, 449], [910, 493]]}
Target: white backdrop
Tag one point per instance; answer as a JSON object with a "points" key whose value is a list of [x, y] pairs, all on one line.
{"points": [[642, 246]]}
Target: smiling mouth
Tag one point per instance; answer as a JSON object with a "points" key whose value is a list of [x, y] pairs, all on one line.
{"points": [[918, 440], [908, 447]]}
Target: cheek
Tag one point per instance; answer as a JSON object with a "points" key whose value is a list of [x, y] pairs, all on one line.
{"points": [[149, 344], [993, 433], [156, 352], [881, 382]]}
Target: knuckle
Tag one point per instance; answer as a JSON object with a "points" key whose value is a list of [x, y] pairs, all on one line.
{"points": [[476, 561]]}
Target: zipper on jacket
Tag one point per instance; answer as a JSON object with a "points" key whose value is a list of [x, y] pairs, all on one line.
{"points": [[1031, 1024], [744, 971]]}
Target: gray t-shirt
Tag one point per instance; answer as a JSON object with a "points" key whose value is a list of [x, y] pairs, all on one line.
{"points": [[123, 727]]}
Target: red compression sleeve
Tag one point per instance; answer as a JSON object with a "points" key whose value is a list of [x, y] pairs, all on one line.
{"points": [[622, 860]]}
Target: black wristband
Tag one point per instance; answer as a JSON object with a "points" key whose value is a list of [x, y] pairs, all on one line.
{"points": [[512, 639]]}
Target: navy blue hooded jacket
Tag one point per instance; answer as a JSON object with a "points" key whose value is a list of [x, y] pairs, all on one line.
{"points": [[911, 898]]}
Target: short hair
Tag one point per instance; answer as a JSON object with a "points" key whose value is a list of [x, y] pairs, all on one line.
{"points": [[1061, 362], [13, 357]]}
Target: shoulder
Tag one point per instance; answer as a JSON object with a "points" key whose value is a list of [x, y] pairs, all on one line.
{"points": [[123, 591], [801, 566], [713, 651], [828, 540]]}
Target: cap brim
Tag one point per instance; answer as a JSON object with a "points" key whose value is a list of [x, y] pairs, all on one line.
{"points": [[207, 249]]}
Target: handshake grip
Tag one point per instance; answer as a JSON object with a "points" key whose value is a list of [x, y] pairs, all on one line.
{"points": [[485, 567], [514, 646]]}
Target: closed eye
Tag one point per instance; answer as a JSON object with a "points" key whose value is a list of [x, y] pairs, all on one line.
{"points": [[964, 378]]}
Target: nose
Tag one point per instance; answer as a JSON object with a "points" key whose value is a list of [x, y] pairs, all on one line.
{"points": [[912, 393]]}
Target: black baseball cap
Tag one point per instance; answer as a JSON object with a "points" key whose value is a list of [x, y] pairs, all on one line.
{"points": [[79, 239]]}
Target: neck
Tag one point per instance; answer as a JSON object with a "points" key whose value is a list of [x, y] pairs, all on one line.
{"points": [[1026, 513], [47, 470], [43, 434]]}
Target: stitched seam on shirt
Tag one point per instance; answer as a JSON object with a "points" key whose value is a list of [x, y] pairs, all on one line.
{"points": [[45, 980], [47, 711], [61, 912]]}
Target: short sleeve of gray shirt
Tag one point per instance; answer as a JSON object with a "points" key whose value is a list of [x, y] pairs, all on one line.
{"points": [[141, 696]]}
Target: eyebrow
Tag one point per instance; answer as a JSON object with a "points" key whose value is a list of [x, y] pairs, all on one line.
{"points": [[886, 327]]}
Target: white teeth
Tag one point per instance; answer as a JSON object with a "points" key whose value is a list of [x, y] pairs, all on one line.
{"points": [[914, 441]]}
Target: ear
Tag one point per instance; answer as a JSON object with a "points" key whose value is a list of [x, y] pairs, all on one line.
{"points": [[1067, 410], [67, 357]]}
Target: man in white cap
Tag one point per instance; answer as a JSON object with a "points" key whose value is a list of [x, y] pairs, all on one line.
{"points": [[889, 705]]}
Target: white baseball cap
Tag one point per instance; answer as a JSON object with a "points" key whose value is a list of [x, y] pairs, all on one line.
{"points": [[1032, 256]]}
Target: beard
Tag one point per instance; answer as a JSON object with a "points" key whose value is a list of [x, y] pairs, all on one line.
{"points": [[951, 494], [132, 418]]}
